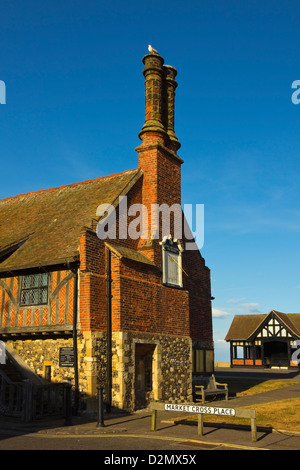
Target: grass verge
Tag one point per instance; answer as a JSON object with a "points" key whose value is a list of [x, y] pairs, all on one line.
{"points": [[281, 414], [266, 386]]}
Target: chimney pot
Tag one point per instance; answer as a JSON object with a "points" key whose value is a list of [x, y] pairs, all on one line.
{"points": [[170, 86], [153, 74]]}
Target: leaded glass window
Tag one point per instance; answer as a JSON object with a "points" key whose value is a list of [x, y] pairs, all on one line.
{"points": [[34, 289]]}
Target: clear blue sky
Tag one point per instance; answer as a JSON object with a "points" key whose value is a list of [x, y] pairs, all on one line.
{"points": [[75, 104]]}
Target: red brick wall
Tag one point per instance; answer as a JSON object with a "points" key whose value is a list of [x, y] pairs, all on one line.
{"points": [[198, 284], [141, 303], [92, 289], [161, 182]]}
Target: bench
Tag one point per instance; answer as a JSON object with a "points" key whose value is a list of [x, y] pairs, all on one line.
{"points": [[208, 387]]}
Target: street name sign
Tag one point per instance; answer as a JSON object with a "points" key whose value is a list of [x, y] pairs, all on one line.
{"points": [[211, 410]]}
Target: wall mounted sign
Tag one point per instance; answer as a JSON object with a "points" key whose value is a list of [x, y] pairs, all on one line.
{"points": [[66, 357], [171, 262]]}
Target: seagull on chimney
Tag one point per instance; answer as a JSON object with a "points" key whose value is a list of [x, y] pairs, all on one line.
{"points": [[152, 50]]}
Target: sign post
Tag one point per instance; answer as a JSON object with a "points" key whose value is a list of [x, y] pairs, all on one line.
{"points": [[202, 410], [200, 424]]}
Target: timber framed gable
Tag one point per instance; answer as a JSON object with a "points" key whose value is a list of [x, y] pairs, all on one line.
{"points": [[273, 327], [55, 315]]}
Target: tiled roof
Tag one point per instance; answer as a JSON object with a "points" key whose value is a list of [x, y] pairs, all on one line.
{"points": [[43, 227], [244, 326], [128, 253], [291, 320]]}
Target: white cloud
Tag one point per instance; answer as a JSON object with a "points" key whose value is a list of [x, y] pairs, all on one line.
{"points": [[235, 301], [237, 308], [219, 313], [251, 307]]}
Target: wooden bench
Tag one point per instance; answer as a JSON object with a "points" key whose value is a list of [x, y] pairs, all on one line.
{"points": [[208, 387]]}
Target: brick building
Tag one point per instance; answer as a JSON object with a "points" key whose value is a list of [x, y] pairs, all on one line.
{"points": [[132, 314]]}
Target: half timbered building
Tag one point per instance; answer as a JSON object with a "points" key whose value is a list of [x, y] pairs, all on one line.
{"points": [[270, 340]]}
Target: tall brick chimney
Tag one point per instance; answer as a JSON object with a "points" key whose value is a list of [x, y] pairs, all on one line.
{"points": [[158, 159], [153, 73], [169, 87]]}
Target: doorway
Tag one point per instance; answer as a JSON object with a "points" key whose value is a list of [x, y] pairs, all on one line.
{"points": [[276, 353], [143, 374]]}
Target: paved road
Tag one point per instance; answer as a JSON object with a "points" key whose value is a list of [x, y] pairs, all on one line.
{"points": [[176, 440], [133, 433], [126, 433], [109, 443], [264, 374]]}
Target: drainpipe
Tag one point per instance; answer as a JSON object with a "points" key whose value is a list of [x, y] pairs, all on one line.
{"points": [[75, 313], [109, 331]]}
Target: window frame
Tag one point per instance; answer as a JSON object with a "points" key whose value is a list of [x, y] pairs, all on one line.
{"points": [[39, 288], [202, 360]]}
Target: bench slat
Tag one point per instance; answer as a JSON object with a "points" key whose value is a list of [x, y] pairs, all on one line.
{"points": [[206, 386]]}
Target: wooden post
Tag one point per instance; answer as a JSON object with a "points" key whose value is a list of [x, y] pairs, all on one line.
{"points": [[200, 424], [154, 419], [253, 429], [27, 401], [11, 397], [100, 414], [68, 405]]}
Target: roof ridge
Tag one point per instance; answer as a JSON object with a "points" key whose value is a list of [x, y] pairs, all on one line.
{"points": [[236, 324], [67, 185], [286, 320]]}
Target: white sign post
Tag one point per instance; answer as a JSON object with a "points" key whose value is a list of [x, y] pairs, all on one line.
{"points": [[202, 410]]}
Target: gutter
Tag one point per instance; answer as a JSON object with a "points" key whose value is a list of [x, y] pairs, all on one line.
{"points": [[75, 314], [109, 331]]}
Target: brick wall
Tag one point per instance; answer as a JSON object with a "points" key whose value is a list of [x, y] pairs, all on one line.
{"points": [[142, 304], [92, 289], [198, 284]]}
